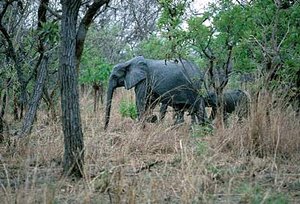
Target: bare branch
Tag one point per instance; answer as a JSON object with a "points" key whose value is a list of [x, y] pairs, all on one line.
{"points": [[84, 26], [261, 46], [54, 13], [210, 37], [284, 37], [240, 3], [5, 6]]}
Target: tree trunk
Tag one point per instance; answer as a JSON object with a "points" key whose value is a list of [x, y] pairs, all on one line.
{"points": [[96, 88], [18, 66], [49, 100], [42, 66], [84, 26], [37, 94], [2, 112], [220, 108], [73, 137], [16, 107]]}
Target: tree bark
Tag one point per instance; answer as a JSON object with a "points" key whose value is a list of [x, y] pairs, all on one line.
{"points": [[11, 52], [2, 112], [48, 99], [73, 137], [37, 94], [42, 67]]}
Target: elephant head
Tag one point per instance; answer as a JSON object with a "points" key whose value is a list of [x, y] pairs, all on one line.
{"points": [[233, 100], [127, 74]]}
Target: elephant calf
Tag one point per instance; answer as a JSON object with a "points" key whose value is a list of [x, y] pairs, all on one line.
{"points": [[234, 100]]}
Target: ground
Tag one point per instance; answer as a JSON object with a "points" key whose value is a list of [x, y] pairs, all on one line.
{"points": [[256, 161]]}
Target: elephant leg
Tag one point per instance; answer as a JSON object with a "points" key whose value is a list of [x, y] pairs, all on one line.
{"points": [[151, 102], [140, 94], [152, 119], [179, 116], [193, 118], [213, 113], [163, 111]]}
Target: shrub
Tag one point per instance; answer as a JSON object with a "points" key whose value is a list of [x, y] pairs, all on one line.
{"points": [[127, 108]]}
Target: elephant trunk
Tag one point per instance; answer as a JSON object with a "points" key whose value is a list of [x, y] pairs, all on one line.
{"points": [[110, 92]]}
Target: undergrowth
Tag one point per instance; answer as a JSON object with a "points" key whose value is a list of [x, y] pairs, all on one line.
{"points": [[253, 161]]}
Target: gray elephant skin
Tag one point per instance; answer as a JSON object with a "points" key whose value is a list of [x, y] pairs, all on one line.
{"points": [[234, 100], [158, 81]]}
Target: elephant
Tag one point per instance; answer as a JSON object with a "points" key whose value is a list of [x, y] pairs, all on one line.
{"points": [[234, 100], [158, 81], [179, 114]]}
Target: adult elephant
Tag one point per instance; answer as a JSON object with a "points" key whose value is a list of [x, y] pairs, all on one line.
{"points": [[158, 81], [233, 100]]}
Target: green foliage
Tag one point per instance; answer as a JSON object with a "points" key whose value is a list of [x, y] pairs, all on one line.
{"points": [[49, 32], [259, 31], [128, 109], [170, 22], [272, 36], [200, 131], [95, 69], [202, 147], [152, 48]]}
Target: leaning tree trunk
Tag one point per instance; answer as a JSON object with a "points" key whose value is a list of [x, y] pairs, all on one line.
{"points": [[12, 53], [2, 112], [71, 122], [42, 67], [37, 94]]}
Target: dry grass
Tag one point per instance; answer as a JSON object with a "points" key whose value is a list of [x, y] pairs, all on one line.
{"points": [[256, 161]]}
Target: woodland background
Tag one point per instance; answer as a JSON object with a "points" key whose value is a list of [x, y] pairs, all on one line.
{"points": [[51, 108]]}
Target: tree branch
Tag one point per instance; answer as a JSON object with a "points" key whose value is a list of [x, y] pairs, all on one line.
{"points": [[284, 37], [84, 26], [54, 13]]}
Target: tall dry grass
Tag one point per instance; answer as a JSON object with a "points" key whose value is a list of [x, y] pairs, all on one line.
{"points": [[253, 161], [271, 130]]}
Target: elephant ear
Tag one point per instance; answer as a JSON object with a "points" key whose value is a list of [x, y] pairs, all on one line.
{"points": [[135, 73]]}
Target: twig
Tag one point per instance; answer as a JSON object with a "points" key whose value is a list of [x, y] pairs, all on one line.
{"points": [[284, 37], [148, 166]]}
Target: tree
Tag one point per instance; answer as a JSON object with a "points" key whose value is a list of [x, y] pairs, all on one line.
{"points": [[215, 43], [41, 73], [170, 23], [72, 44], [94, 71], [73, 136], [11, 51]]}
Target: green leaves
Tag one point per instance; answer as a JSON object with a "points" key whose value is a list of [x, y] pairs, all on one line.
{"points": [[258, 31], [95, 69], [170, 24], [49, 32], [128, 109]]}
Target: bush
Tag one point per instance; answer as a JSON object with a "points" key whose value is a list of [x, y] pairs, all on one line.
{"points": [[127, 108]]}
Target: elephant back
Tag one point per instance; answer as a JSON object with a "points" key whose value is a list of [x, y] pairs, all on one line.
{"points": [[183, 70]]}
